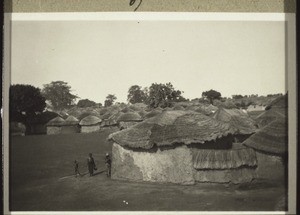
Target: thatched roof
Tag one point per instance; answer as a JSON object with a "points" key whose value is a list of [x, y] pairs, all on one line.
{"points": [[71, 120], [272, 138], [129, 117], [178, 107], [57, 121], [171, 127], [138, 106], [142, 113], [280, 102], [223, 159], [126, 110], [152, 113], [90, 120], [237, 119], [125, 125]]}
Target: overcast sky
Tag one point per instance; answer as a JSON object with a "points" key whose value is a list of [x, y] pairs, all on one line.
{"points": [[98, 58]]}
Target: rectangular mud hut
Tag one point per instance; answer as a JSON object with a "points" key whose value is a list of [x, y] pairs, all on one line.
{"points": [[181, 147]]}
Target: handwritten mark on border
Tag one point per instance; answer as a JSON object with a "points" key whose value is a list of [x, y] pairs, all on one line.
{"points": [[131, 3]]}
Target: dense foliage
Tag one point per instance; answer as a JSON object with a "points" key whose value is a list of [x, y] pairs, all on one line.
{"points": [[59, 94]]}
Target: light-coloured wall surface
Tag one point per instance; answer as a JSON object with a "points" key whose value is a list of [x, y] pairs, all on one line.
{"points": [[53, 130], [90, 129], [173, 165]]}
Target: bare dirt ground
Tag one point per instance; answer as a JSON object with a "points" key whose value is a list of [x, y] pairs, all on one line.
{"points": [[40, 180]]}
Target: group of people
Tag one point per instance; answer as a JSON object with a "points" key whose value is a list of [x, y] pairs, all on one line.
{"points": [[92, 165]]}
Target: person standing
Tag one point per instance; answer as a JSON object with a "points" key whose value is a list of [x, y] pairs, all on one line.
{"points": [[91, 164], [108, 164], [76, 168]]}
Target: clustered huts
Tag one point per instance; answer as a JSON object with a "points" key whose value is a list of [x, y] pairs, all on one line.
{"points": [[188, 143], [188, 146], [181, 147]]}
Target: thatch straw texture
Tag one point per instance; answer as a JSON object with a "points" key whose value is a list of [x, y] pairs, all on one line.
{"points": [[129, 117], [237, 119], [125, 125], [280, 102], [71, 120], [178, 107], [171, 127], [57, 121], [90, 120], [223, 159], [272, 138], [152, 113]]}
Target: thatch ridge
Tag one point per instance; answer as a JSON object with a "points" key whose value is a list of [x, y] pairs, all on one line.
{"points": [[57, 121], [71, 120], [90, 120], [223, 159]]}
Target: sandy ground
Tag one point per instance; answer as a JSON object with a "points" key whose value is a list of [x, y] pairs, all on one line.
{"points": [[40, 181]]}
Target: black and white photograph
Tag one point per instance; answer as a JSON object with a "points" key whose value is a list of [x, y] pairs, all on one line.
{"points": [[149, 113]]}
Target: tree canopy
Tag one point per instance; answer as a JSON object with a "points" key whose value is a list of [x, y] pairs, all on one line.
{"points": [[136, 94], [110, 99], [86, 103], [59, 94], [25, 102], [211, 95], [162, 95]]}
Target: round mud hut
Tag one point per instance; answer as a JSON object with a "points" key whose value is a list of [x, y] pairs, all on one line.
{"points": [[180, 147], [90, 124], [128, 119], [55, 125], [71, 125], [271, 145]]}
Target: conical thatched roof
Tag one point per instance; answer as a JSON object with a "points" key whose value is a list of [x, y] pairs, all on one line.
{"points": [[223, 159], [57, 121], [71, 120], [273, 138], [129, 117], [171, 127], [237, 119], [90, 120]]}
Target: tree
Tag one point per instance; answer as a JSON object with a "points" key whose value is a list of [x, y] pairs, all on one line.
{"points": [[59, 94], [136, 94], [162, 95], [25, 102], [86, 103], [211, 95], [110, 99], [237, 96]]}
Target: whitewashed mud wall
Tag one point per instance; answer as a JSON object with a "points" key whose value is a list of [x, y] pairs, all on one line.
{"points": [[172, 165], [53, 130], [90, 129]]}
